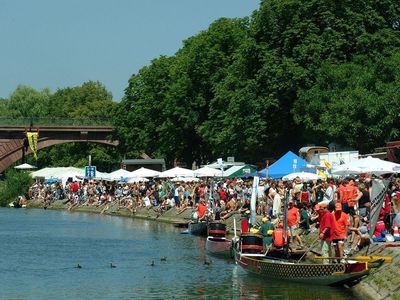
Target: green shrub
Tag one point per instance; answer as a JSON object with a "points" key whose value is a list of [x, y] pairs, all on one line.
{"points": [[16, 183]]}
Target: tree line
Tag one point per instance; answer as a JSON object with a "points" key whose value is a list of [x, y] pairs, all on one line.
{"points": [[293, 73]]}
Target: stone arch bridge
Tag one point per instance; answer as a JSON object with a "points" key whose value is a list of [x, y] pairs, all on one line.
{"points": [[12, 138]]}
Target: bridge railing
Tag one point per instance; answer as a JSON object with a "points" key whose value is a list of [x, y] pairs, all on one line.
{"points": [[6, 121]]}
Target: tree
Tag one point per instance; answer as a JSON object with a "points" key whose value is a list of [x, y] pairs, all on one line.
{"points": [[354, 103]]}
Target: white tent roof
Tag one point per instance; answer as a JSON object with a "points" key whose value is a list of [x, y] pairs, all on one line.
{"points": [[177, 172], [144, 172], [302, 176], [207, 172], [118, 174], [370, 165], [62, 173], [24, 167], [137, 179], [232, 170], [185, 179]]}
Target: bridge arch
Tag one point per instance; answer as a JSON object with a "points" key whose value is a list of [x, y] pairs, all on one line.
{"points": [[12, 139]]}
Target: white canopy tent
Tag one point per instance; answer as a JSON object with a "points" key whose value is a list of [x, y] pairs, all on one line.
{"points": [[24, 167], [177, 172], [207, 172], [118, 174], [144, 172], [185, 179], [61, 173], [302, 176], [137, 179], [370, 165]]}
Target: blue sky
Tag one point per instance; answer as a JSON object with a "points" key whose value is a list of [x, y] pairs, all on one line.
{"points": [[63, 43]]}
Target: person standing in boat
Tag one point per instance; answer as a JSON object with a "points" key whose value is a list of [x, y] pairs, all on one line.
{"points": [[293, 217], [342, 223], [326, 230], [266, 231]]}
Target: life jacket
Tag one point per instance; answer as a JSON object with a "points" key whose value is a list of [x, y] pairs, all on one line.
{"points": [[279, 239]]}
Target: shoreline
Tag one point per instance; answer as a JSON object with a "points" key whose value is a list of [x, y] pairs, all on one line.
{"points": [[381, 283]]}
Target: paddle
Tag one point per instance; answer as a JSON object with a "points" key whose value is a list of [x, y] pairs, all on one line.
{"points": [[309, 249]]}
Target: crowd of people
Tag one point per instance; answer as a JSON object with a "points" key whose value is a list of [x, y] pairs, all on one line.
{"points": [[338, 208]]}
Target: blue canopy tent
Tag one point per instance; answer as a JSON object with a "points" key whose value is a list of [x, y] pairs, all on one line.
{"points": [[287, 164]]}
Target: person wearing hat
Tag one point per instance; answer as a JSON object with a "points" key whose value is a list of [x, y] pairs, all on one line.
{"points": [[342, 222], [266, 231], [326, 230]]}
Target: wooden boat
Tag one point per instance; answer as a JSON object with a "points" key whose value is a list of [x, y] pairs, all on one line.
{"points": [[198, 228], [249, 255], [217, 243], [312, 273]]}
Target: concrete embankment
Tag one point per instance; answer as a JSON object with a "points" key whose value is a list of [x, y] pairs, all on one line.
{"points": [[382, 283]]}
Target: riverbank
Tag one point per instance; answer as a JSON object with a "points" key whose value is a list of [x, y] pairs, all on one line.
{"points": [[382, 283]]}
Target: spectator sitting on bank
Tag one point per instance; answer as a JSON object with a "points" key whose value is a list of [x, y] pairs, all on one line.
{"points": [[201, 210], [230, 209]]}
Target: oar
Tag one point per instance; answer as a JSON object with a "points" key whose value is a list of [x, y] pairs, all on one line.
{"points": [[309, 249]]}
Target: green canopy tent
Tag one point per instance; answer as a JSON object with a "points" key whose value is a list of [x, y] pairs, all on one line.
{"points": [[239, 171]]}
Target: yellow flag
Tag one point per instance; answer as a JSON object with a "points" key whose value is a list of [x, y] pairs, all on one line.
{"points": [[33, 141], [327, 164], [321, 174]]}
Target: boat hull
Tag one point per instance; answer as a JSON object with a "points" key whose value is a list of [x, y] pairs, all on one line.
{"points": [[198, 228], [321, 274], [219, 246]]}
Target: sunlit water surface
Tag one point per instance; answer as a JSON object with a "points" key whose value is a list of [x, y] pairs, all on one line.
{"points": [[40, 251]]}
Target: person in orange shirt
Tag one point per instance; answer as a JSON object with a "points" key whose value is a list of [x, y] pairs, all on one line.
{"points": [[293, 217], [342, 223], [201, 210]]}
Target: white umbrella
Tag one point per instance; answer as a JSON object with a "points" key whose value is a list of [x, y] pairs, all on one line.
{"points": [[177, 172], [24, 167], [144, 172], [302, 176], [207, 172], [370, 165]]}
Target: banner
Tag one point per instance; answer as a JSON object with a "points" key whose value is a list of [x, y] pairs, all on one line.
{"points": [[253, 200], [33, 141], [378, 194]]}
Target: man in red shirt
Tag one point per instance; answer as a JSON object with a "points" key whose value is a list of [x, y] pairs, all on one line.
{"points": [[342, 223], [326, 230], [293, 217]]}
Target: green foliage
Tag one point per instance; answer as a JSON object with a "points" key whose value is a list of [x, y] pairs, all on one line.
{"points": [[355, 102], [297, 72], [16, 183]]}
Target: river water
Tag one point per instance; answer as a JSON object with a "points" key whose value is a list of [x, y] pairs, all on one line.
{"points": [[41, 249]]}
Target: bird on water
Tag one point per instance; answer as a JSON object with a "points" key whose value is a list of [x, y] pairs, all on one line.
{"points": [[152, 263], [164, 258], [78, 266], [112, 266]]}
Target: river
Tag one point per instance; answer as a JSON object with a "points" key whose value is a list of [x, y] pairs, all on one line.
{"points": [[41, 249]]}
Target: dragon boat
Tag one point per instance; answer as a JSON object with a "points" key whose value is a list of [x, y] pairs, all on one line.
{"points": [[250, 257]]}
